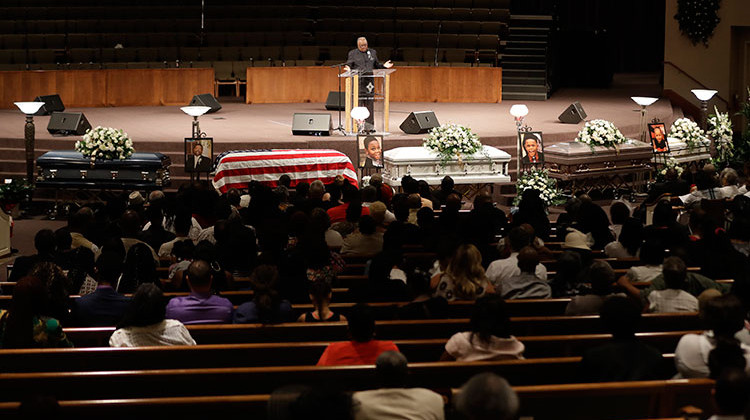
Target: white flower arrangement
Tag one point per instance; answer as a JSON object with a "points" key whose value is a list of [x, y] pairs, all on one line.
{"points": [[671, 163], [365, 181], [687, 131], [600, 133], [451, 141], [720, 129], [105, 143], [539, 180]]}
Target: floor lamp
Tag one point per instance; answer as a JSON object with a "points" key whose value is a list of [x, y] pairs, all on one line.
{"points": [[519, 112], [29, 108], [704, 95], [643, 102]]}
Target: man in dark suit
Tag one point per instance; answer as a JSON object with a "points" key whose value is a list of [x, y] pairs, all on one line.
{"points": [[104, 307], [197, 162], [532, 147], [365, 60]]}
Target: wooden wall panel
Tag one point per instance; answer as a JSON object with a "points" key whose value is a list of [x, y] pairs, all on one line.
{"points": [[283, 85], [132, 87], [93, 88], [408, 84]]}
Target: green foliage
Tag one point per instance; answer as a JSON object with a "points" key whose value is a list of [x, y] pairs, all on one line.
{"points": [[16, 191]]}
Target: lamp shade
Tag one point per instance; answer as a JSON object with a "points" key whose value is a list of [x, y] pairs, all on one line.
{"points": [[29, 108], [704, 94], [195, 111], [644, 100], [360, 113], [519, 110]]}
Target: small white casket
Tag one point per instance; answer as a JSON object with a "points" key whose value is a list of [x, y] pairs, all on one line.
{"points": [[680, 152], [489, 166]]}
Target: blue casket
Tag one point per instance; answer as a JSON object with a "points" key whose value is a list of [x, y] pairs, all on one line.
{"points": [[70, 169]]}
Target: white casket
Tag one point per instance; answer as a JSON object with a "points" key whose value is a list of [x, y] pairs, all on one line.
{"points": [[684, 156], [489, 166]]}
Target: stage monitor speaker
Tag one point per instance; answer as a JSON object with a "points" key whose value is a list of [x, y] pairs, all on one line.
{"points": [[573, 115], [335, 101], [206, 99], [312, 124], [52, 103], [67, 123], [419, 122]]}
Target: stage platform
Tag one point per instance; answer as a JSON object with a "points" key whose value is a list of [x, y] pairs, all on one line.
{"points": [[264, 126]]}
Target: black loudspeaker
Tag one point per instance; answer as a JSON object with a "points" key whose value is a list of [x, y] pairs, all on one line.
{"points": [[335, 101], [52, 103], [419, 122], [67, 123], [312, 125], [573, 115], [206, 99]]}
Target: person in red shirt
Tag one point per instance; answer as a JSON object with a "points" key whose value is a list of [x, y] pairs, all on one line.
{"points": [[363, 349], [351, 198]]}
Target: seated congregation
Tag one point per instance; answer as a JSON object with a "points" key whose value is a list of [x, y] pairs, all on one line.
{"points": [[162, 270]]}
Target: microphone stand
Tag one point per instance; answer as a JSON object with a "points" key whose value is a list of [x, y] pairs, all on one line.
{"points": [[338, 99], [437, 43]]}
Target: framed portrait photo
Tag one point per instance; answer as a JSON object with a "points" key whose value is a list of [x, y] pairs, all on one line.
{"points": [[370, 151], [532, 147], [199, 154], [657, 132]]}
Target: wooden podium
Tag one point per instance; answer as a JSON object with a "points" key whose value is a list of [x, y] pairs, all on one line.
{"points": [[380, 80]]}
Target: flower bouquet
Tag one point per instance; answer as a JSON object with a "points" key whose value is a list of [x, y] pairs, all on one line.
{"points": [[720, 129], [600, 133], [671, 163], [451, 141], [539, 180], [687, 131], [14, 192], [105, 143]]}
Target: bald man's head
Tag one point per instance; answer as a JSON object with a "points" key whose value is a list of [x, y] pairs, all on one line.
{"points": [[199, 274]]}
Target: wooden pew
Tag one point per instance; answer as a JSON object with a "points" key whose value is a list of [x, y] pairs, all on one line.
{"points": [[277, 354], [387, 310], [262, 380], [393, 330], [612, 400]]}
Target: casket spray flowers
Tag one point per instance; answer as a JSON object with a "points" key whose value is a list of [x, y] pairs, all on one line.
{"points": [[105, 143], [452, 141], [687, 131], [600, 133]]}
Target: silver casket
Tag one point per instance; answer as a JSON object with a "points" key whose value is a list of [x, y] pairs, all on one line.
{"points": [[684, 156], [605, 167], [489, 166]]}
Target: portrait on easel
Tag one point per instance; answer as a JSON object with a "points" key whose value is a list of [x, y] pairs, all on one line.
{"points": [[532, 147], [658, 134], [370, 151], [199, 154]]}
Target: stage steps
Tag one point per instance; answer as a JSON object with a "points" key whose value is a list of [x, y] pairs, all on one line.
{"points": [[524, 59]]}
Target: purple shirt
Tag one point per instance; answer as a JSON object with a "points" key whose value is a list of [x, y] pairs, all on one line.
{"points": [[200, 309]]}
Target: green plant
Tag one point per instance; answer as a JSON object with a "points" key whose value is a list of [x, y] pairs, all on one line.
{"points": [[15, 191], [742, 142]]}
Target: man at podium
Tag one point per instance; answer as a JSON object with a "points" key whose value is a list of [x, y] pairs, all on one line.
{"points": [[365, 60]]}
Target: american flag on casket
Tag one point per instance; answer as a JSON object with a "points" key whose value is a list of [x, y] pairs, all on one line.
{"points": [[237, 168]]}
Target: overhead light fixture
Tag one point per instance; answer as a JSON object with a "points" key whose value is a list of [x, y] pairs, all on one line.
{"points": [[29, 133]]}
